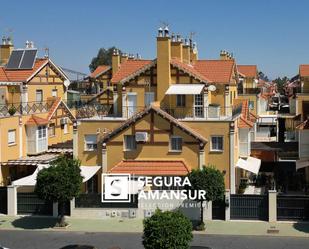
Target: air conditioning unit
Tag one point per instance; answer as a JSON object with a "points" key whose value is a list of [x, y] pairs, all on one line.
{"points": [[63, 121], [141, 136]]}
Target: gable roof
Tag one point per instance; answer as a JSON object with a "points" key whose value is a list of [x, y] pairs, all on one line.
{"points": [[59, 103], [152, 167], [138, 116], [217, 71], [245, 120], [35, 120], [247, 70], [25, 75], [99, 71], [304, 70], [130, 69], [190, 69]]}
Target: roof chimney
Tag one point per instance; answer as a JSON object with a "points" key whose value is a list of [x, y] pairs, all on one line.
{"points": [[176, 48], [186, 52], [193, 52], [6, 49], [166, 31], [115, 61], [160, 32], [124, 57]]}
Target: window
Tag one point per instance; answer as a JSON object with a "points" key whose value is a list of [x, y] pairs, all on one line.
{"points": [[51, 130], [39, 95], [251, 105], [129, 142], [11, 137], [217, 143], [180, 100], [149, 98], [90, 142], [175, 143], [65, 129], [54, 93], [41, 132]]}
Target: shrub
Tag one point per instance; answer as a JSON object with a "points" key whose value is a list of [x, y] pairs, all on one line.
{"points": [[12, 110], [167, 230]]}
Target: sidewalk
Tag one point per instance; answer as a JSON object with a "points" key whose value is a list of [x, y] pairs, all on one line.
{"points": [[257, 228]]}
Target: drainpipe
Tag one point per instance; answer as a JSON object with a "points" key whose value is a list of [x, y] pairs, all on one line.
{"points": [[232, 166]]}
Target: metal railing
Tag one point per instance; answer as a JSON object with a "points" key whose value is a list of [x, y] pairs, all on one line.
{"points": [[205, 113], [301, 90], [25, 108]]}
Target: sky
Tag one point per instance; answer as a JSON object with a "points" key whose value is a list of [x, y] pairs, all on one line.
{"points": [[272, 34]]}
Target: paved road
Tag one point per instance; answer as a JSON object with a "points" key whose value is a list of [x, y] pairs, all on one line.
{"points": [[56, 240]]}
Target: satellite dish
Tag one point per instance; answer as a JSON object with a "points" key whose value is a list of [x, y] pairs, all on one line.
{"points": [[212, 88]]}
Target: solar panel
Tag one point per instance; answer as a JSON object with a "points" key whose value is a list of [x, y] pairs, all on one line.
{"points": [[15, 59], [28, 59]]}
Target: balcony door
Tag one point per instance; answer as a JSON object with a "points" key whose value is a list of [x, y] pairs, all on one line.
{"points": [[198, 107], [132, 104], [41, 138]]}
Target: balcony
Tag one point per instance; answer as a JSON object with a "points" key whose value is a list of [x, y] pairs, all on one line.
{"points": [[301, 90], [204, 113], [15, 109]]}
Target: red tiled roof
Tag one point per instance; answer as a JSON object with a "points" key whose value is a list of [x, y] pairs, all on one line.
{"points": [[217, 71], [304, 70], [248, 70], [128, 68], [190, 69], [245, 120], [53, 108], [304, 125], [152, 168], [35, 120], [99, 70], [20, 75]]}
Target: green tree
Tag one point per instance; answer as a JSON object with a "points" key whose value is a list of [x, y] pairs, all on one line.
{"points": [[280, 83], [61, 182], [104, 57], [167, 230], [209, 179]]}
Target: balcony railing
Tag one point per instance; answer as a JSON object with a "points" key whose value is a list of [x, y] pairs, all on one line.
{"points": [[19, 108], [205, 113], [301, 90]]}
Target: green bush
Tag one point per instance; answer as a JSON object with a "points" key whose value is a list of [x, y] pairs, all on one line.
{"points": [[167, 230], [12, 110]]}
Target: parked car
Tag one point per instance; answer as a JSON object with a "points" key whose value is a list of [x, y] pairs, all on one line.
{"points": [[2, 247]]}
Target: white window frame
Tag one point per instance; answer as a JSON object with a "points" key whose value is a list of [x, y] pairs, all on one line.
{"points": [[171, 143], [12, 139], [65, 129], [125, 147], [55, 93], [52, 127], [36, 95], [92, 142], [211, 143]]}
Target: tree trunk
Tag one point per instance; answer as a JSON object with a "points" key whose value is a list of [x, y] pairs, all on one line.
{"points": [[62, 222]]}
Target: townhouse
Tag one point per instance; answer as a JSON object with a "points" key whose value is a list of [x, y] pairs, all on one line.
{"points": [[168, 116], [33, 114]]}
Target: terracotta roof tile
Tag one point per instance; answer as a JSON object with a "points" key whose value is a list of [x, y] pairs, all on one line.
{"points": [[189, 69], [35, 120], [217, 71], [128, 68], [99, 70], [248, 70], [245, 120], [152, 168], [304, 70], [20, 75]]}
